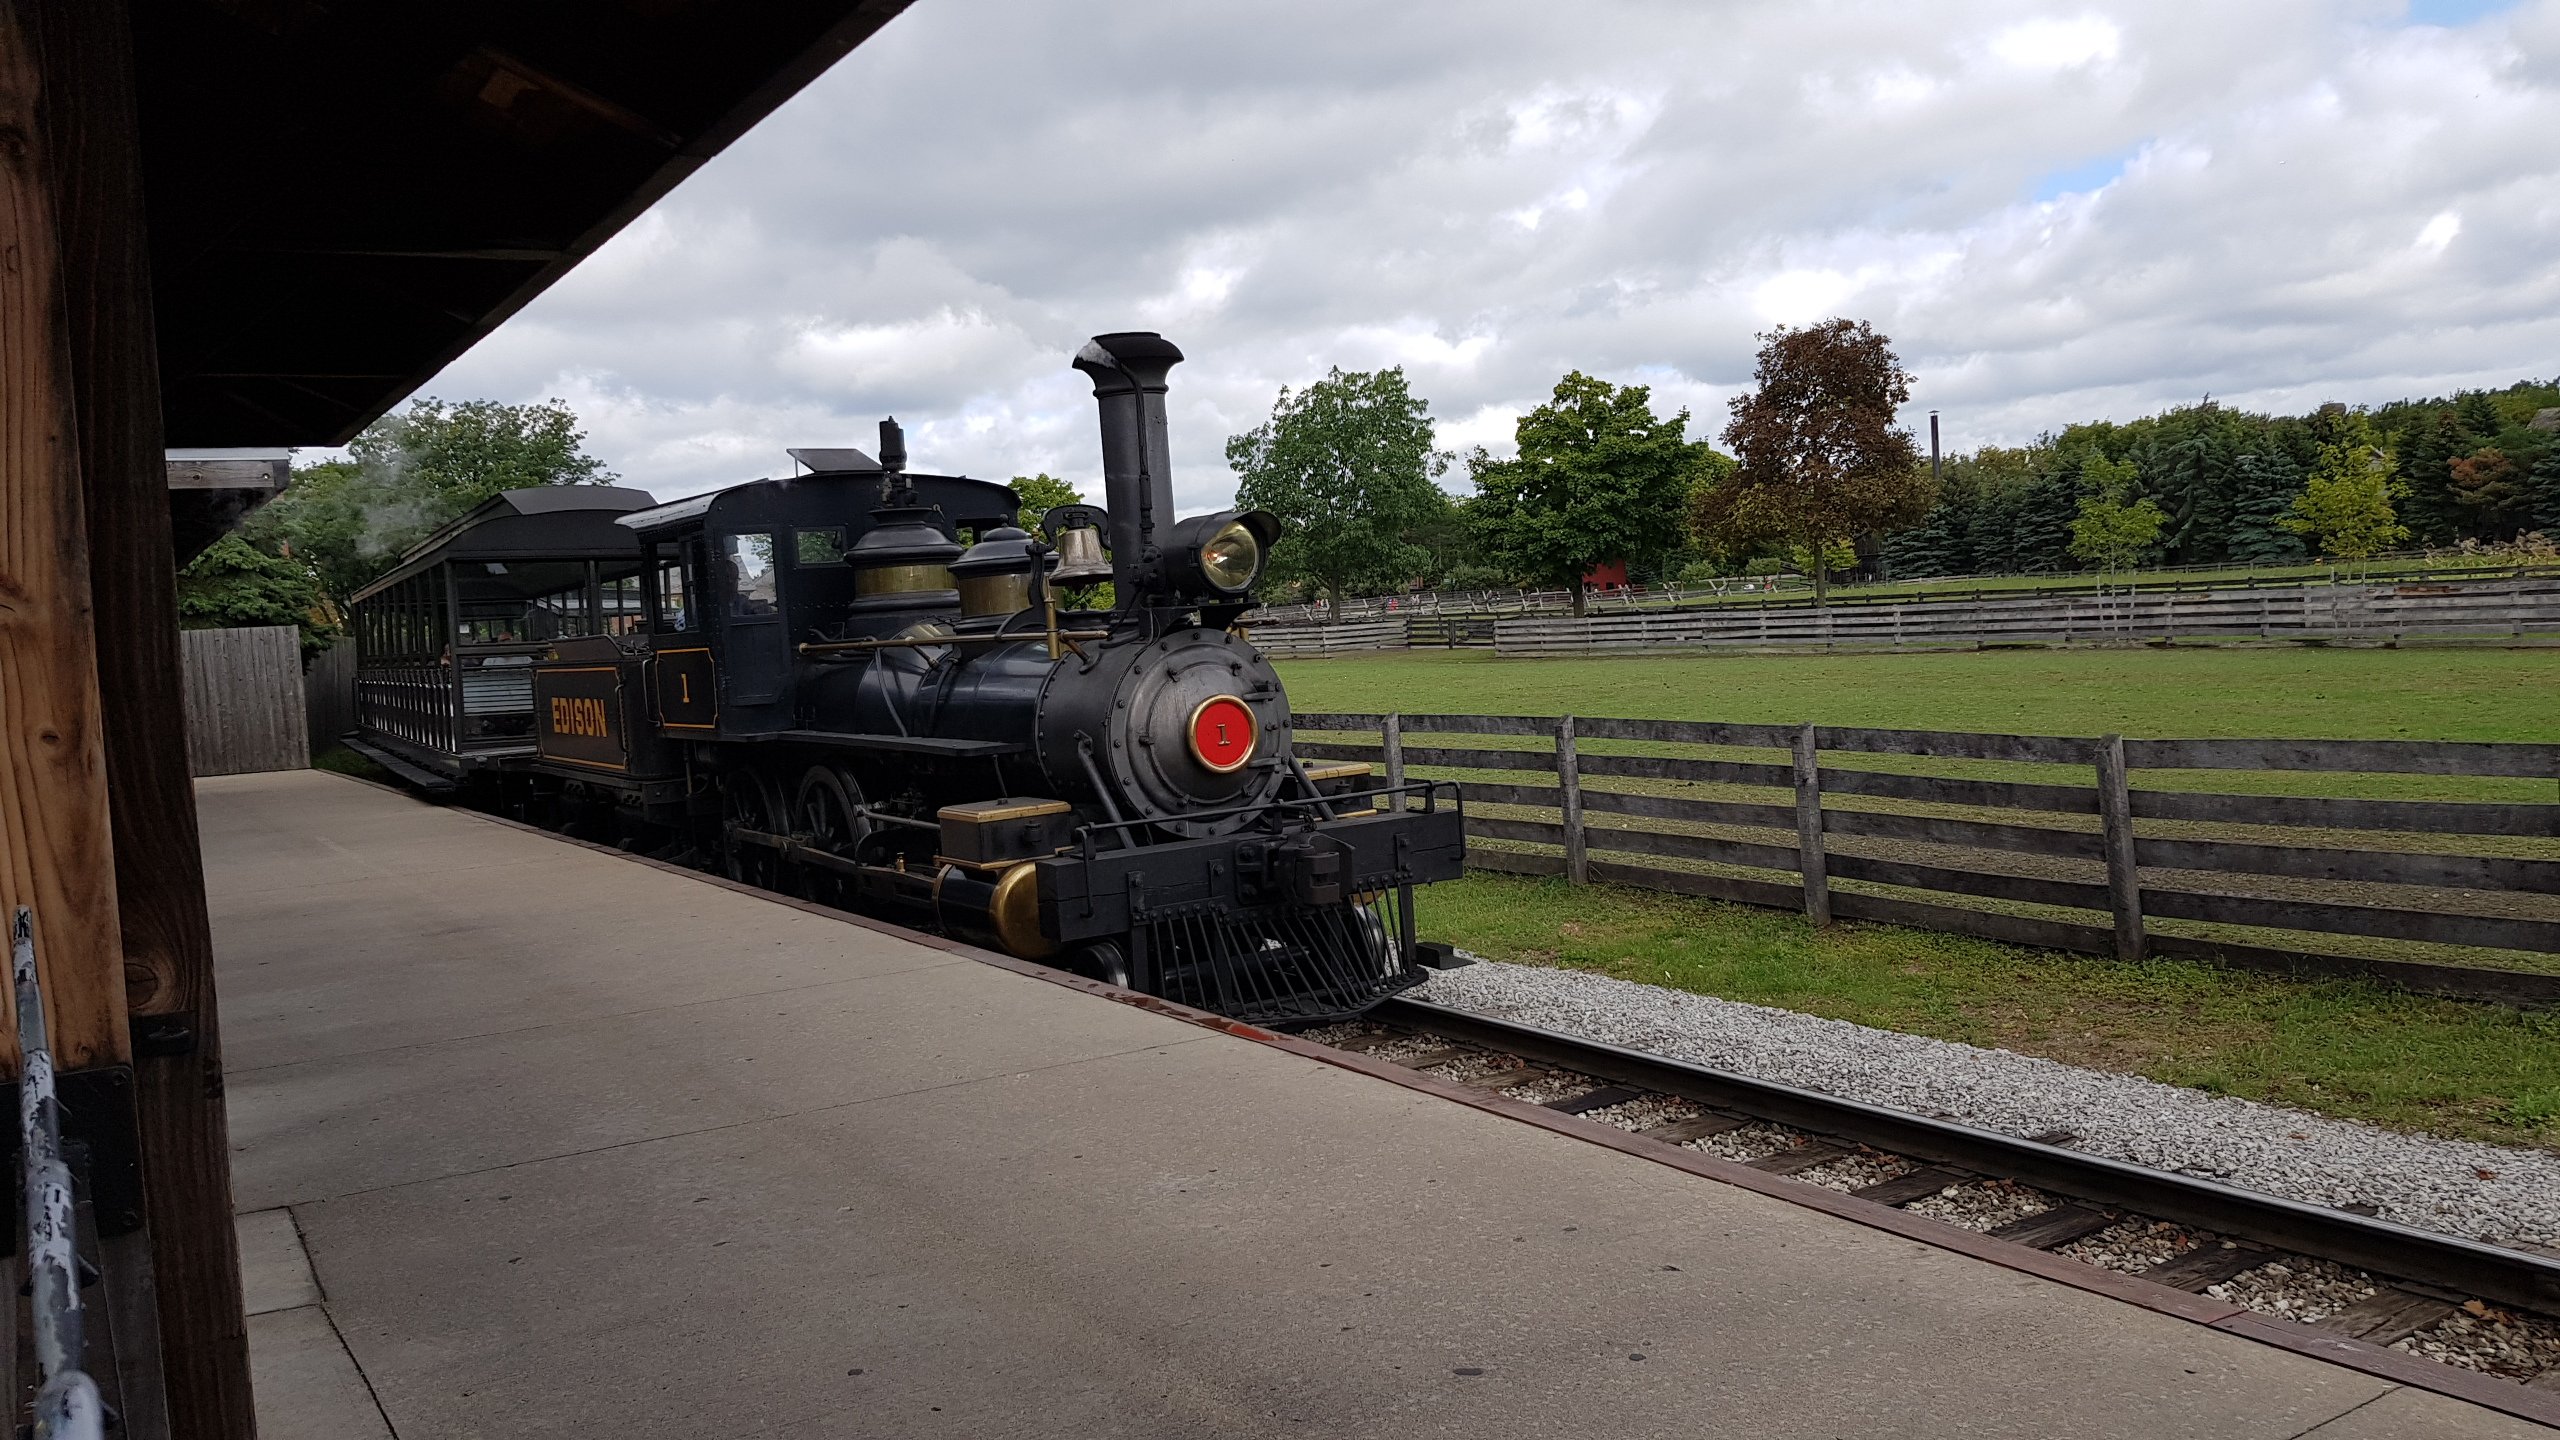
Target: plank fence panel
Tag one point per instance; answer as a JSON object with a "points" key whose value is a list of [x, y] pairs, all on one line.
{"points": [[329, 694], [2274, 899], [244, 700]]}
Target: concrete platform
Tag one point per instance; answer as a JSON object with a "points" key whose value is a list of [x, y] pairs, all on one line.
{"points": [[576, 1146]]}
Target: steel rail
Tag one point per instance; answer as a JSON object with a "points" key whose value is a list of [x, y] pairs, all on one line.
{"points": [[2476, 1269]]}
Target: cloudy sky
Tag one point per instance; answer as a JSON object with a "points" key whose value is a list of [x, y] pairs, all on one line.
{"points": [[2057, 212]]}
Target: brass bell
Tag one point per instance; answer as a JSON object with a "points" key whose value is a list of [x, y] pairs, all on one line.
{"points": [[1080, 559]]}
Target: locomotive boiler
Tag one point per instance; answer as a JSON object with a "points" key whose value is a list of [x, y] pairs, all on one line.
{"points": [[872, 687]]}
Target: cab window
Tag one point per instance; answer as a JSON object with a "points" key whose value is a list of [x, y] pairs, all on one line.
{"points": [[755, 586]]}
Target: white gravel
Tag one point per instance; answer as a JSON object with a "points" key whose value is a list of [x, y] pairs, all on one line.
{"points": [[2459, 1187]]}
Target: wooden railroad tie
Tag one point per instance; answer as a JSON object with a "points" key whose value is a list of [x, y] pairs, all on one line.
{"points": [[1696, 1127], [2058, 1226], [1429, 1058], [1802, 1157], [2208, 1264], [1599, 1099], [2387, 1315], [1905, 1188], [1505, 1078]]}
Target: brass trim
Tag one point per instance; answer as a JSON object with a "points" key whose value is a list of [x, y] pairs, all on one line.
{"points": [[901, 579], [1015, 907], [1252, 739], [982, 595], [951, 862], [1347, 770], [984, 811]]}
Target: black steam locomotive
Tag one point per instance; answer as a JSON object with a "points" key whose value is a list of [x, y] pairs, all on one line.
{"points": [[871, 687]]}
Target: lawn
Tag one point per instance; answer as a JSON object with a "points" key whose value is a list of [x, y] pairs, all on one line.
{"points": [[2181, 692], [2337, 1048]]}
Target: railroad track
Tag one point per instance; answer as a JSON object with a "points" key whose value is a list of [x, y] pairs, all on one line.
{"points": [[2204, 1234]]}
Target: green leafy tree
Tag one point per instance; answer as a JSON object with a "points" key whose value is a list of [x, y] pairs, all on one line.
{"points": [[234, 583], [1041, 494], [1820, 457], [2115, 526], [2346, 502], [411, 472], [1347, 464], [1598, 478]]}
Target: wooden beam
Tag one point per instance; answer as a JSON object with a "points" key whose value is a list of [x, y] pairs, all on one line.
{"points": [[56, 852], [159, 917]]}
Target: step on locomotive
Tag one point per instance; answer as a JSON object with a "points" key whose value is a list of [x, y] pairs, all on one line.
{"points": [[872, 688]]}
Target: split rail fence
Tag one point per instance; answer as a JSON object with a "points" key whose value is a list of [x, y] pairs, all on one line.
{"points": [[2108, 846]]}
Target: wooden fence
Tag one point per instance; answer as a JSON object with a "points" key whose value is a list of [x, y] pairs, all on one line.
{"points": [[329, 694], [2039, 840], [1288, 640], [244, 700], [2509, 609]]}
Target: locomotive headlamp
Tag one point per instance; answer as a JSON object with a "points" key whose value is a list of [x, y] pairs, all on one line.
{"points": [[1231, 558], [1222, 554]]}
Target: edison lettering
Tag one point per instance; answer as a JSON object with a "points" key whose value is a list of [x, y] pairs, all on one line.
{"points": [[579, 715]]}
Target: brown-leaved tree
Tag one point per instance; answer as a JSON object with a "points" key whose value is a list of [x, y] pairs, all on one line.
{"points": [[1821, 459]]}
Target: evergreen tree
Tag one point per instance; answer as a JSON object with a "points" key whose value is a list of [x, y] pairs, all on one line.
{"points": [[2544, 490], [2426, 458], [2265, 485]]}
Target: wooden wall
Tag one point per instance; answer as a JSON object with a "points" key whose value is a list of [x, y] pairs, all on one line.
{"points": [[245, 700]]}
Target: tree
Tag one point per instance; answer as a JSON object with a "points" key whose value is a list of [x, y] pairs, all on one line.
{"points": [[1041, 494], [2492, 488], [2346, 502], [1347, 464], [2265, 484], [409, 473], [2114, 527], [234, 583], [2545, 492], [1821, 459], [1598, 478]]}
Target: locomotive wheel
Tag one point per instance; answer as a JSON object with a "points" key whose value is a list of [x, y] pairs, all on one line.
{"points": [[1102, 961], [828, 815], [747, 802]]}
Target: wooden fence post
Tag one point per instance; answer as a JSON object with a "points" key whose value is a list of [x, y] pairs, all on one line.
{"points": [[1577, 854], [1391, 739], [2124, 880], [1809, 854]]}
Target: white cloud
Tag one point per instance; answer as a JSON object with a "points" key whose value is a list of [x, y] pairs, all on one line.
{"points": [[2316, 203], [2058, 44]]}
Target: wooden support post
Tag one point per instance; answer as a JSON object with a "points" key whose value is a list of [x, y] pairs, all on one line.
{"points": [[1391, 739], [2124, 880], [160, 919], [1577, 853], [1809, 853]]}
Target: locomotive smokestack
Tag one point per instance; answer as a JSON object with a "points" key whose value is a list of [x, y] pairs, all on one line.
{"points": [[1128, 372]]}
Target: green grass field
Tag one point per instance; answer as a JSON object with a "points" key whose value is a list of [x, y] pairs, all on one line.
{"points": [[2183, 692], [2335, 1048]]}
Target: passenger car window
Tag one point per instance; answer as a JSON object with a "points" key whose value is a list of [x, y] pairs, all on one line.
{"points": [[754, 588]]}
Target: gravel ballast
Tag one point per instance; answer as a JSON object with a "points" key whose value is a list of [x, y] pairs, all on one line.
{"points": [[2488, 1192]]}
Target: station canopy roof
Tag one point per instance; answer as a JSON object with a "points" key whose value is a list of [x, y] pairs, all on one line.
{"points": [[345, 195]]}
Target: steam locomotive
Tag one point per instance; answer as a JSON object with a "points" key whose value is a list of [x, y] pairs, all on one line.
{"points": [[873, 688]]}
